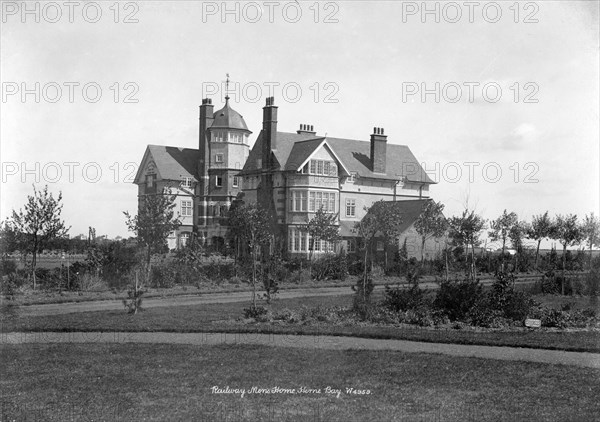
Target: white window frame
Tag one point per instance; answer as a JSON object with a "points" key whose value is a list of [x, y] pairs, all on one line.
{"points": [[187, 208], [350, 205], [218, 181], [236, 182], [219, 158], [186, 182]]}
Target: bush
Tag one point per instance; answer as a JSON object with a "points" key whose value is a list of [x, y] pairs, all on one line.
{"points": [[11, 283], [255, 312], [592, 282], [457, 298], [163, 276], [330, 266], [90, 282], [398, 299], [300, 276], [7, 266]]}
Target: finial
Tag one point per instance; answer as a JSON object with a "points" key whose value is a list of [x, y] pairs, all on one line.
{"points": [[227, 88]]}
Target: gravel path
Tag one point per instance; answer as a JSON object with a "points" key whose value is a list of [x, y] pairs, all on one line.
{"points": [[197, 299], [589, 360]]}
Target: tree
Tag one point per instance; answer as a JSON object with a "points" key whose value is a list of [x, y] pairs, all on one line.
{"points": [[540, 229], [465, 231], [38, 224], [516, 235], [431, 223], [591, 232], [251, 224], [323, 226], [153, 223], [568, 232], [500, 229], [383, 218]]}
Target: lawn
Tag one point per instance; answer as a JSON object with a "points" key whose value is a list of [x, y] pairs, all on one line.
{"points": [[175, 382], [222, 318]]}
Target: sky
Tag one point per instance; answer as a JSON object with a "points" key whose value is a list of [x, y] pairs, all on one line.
{"points": [[499, 100]]}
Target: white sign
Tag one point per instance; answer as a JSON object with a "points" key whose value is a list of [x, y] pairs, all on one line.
{"points": [[533, 323]]}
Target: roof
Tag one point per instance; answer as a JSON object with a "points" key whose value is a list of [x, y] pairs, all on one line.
{"points": [[411, 209], [173, 163], [293, 148], [228, 118]]}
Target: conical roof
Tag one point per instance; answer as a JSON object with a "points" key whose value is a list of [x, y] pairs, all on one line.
{"points": [[228, 118]]}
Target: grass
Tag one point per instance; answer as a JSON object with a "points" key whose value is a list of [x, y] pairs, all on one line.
{"points": [[220, 318], [174, 382]]}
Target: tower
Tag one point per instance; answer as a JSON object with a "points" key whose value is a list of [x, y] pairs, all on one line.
{"points": [[224, 149]]}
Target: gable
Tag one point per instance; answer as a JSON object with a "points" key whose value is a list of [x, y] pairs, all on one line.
{"points": [[170, 163]]}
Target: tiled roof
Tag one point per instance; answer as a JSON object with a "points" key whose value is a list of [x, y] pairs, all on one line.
{"points": [[300, 152], [173, 163], [411, 209], [293, 149]]}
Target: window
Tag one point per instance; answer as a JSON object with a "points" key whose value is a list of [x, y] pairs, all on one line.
{"points": [[186, 208], [218, 158], [351, 178], [299, 201], [325, 200], [351, 246], [300, 241], [183, 239], [236, 181], [350, 207], [186, 182], [218, 136], [218, 181], [322, 167], [150, 180]]}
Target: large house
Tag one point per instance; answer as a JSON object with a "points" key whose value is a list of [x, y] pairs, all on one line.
{"points": [[290, 174]]}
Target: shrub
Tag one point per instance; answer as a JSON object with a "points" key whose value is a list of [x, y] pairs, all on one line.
{"points": [[163, 276], [90, 282], [300, 276], [330, 266], [11, 283], [7, 266], [255, 312], [398, 299], [457, 298], [592, 282]]}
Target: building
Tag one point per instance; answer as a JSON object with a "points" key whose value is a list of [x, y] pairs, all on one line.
{"points": [[290, 174]]}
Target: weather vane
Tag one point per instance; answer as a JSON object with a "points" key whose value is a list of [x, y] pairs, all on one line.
{"points": [[227, 87]]}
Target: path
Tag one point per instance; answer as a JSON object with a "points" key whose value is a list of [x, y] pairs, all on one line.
{"points": [[197, 299], [583, 359]]}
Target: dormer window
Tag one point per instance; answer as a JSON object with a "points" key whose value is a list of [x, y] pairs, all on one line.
{"points": [[186, 182]]}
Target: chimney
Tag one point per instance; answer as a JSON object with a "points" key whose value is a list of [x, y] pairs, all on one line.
{"points": [[206, 120], [269, 132], [306, 130], [378, 150]]}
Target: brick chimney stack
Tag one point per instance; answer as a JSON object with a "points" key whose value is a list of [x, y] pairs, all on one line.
{"points": [[206, 120], [269, 132], [378, 150]]}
